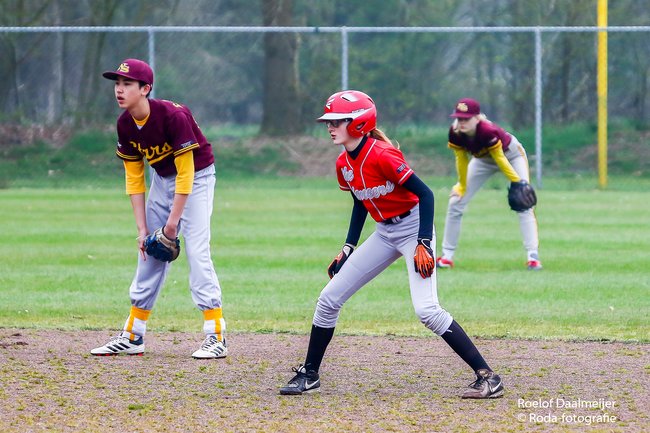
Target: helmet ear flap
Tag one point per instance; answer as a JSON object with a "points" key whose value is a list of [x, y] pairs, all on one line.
{"points": [[356, 129], [364, 123]]}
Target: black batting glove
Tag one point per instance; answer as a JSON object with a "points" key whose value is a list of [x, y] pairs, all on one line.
{"points": [[338, 261]]}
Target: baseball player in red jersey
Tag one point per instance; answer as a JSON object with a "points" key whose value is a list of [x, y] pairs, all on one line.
{"points": [[180, 200], [493, 150], [382, 184]]}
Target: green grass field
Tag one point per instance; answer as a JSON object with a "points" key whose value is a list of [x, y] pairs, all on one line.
{"points": [[68, 257]]}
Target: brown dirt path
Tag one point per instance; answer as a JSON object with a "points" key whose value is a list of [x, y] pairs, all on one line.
{"points": [[369, 384]]}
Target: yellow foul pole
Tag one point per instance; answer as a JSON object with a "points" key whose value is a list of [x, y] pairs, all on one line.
{"points": [[602, 95]]}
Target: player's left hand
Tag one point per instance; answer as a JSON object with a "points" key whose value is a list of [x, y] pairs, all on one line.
{"points": [[338, 261], [425, 264], [457, 190]]}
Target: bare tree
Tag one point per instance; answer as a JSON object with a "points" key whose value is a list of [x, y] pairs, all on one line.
{"points": [[99, 13], [281, 102], [17, 13]]}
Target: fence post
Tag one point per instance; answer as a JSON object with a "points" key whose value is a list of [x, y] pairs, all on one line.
{"points": [[538, 107], [344, 58], [152, 56], [152, 62]]}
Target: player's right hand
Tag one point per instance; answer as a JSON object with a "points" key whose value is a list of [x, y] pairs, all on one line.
{"points": [[142, 235], [338, 261]]}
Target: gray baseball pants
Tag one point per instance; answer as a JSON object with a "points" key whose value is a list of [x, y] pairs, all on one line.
{"points": [[194, 226], [383, 247], [478, 172]]}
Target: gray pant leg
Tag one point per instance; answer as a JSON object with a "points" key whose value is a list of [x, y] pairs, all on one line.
{"points": [[527, 222], [365, 263], [151, 273], [195, 229], [424, 291], [478, 172]]}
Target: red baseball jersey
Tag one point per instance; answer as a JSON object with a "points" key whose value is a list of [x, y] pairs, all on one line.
{"points": [[487, 135], [169, 131], [375, 177]]}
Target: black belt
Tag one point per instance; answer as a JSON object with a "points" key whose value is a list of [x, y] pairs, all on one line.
{"points": [[398, 218]]}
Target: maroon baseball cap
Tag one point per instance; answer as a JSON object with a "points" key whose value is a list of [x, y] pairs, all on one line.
{"points": [[466, 108], [133, 69]]}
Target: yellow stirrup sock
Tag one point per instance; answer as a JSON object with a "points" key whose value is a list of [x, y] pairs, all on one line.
{"points": [[214, 323], [136, 323]]}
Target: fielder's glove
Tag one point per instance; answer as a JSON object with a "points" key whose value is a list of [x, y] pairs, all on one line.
{"points": [[425, 264], [160, 247], [338, 261], [521, 196]]}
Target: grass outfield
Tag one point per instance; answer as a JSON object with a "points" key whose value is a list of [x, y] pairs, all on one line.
{"points": [[68, 256]]}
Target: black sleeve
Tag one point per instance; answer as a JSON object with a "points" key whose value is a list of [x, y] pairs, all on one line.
{"points": [[424, 193], [357, 220]]}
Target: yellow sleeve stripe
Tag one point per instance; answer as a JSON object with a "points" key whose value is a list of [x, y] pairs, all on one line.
{"points": [[128, 157], [462, 161], [453, 146], [134, 174], [185, 172], [502, 162], [498, 144], [185, 149]]}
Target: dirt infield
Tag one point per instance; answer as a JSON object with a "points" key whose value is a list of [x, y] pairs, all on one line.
{"points": [[369, 384]]}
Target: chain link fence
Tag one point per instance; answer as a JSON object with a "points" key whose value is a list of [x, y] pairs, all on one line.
{"points": [[532, 80]]}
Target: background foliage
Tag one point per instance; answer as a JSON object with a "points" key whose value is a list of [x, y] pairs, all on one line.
{"points": [[53, 90], [55, 78]]}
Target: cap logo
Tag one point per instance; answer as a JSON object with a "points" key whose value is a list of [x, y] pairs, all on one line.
{"points": [[462, 107], [124, 67]]}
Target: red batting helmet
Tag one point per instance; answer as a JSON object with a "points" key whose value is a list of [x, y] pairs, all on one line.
{"points": [[353, 105]]}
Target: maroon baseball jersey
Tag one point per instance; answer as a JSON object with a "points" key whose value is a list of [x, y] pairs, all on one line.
{"points": [[375, 177], [487, 135], [169, 131]]}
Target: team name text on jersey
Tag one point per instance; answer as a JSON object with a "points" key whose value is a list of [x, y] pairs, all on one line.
{"points": [[374, 192], [348, 174], [153, 153]]}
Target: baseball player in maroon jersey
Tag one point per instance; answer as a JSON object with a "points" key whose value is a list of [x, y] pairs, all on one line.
{"points": [[180, 200], [492, 150], [383, 185]]}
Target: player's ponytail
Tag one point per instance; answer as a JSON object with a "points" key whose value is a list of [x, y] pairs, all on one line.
{"points": [[380, 135]]}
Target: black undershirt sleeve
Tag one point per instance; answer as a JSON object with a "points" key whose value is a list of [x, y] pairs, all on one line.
{"points": [[424, 193], [357, 220]]}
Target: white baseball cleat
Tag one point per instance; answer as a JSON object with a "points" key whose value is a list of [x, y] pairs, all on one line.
{"points": [[211, 348], [120, 345]]}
